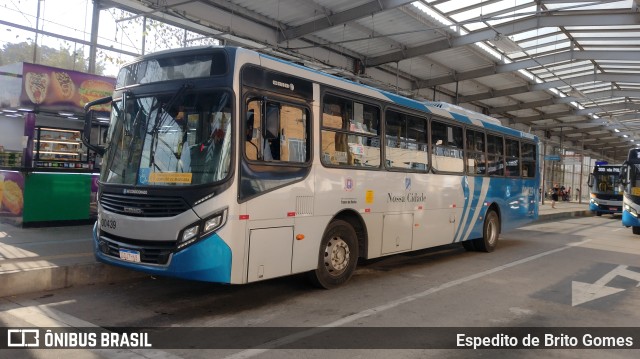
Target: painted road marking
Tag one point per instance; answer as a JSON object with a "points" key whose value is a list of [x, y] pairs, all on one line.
{"points": [[584, 292], [381, 308], [45, 315]]}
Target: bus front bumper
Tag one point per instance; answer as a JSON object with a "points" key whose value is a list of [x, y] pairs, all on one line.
{"points": [[208, 260], [604, 208], [629, 220]]}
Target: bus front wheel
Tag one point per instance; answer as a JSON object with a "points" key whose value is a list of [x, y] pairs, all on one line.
{"points": [[338, 256], [635, 230], [490, 233]]}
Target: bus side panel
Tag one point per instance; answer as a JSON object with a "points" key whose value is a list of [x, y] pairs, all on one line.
{"points": [[306, 250], [442, 209], [270, 216]]}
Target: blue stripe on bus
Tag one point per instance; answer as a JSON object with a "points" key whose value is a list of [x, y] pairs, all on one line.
{"points": [[467, 188], [474, 222], [461, 118], [502, 130], [207, 260], [406, 102], [473, 207], [628, 220]]}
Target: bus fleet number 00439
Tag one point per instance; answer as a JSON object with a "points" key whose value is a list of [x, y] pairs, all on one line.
{"points": [[108, 223]]}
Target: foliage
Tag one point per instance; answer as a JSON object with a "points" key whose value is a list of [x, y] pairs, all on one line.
{"points": [[63, 58], [157, 34]]}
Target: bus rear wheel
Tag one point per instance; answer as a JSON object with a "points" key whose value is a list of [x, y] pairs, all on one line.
{"points": [[490, 233], [338, 256]]}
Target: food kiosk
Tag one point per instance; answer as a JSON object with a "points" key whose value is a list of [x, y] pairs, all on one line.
{"points": [[47, 175]]}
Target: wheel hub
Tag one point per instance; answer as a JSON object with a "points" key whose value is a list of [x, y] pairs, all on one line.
{"points": [[336, 255]]}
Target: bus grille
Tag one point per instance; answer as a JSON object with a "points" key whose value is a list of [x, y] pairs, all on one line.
{"points": [[609, 197], [143, 206], [151, 252]]}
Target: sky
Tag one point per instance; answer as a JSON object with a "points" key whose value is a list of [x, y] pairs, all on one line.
{"points": [[72, 19]]}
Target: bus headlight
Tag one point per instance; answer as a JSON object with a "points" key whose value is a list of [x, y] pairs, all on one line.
{"points": [[212, 224], [198, 230], [631, 211], [189, 233]]}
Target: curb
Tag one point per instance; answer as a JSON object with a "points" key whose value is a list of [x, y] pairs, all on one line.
{"points": [[563, 215], [62, 277]]}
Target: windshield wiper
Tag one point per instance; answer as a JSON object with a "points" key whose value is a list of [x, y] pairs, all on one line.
{"points": [[161, 117]]}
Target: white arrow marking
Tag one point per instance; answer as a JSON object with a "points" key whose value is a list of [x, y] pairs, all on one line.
{"points": [[584, 292]]}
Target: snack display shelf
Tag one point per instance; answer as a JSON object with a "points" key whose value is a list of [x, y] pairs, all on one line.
{"points": [[62, 146]]}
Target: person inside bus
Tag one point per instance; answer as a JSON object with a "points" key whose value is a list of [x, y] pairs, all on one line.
{"points": [[268, 149]]}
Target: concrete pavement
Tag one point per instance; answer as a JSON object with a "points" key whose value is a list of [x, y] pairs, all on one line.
{"points": [[39, 259]]}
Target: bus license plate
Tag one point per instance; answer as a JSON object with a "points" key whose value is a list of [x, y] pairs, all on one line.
{"points": [[613, 209], [130, 255]]}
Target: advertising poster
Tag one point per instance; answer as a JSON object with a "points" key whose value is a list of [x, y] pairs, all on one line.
{"points": [[53, 89], [11, 197]]}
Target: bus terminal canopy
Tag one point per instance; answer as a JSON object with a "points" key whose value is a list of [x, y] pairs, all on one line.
{"points": [[566, 70]]}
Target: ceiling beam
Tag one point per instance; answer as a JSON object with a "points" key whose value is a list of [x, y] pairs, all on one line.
{"points": [[572, 81], [581, 130], [569, 99], [512, 27], [544, 116], [334, 19], [610, 145], [530, 63]]}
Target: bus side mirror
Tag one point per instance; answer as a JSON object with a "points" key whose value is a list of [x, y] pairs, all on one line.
{"points": [[271, 121], [623, 173], [590, 180], [88, 119]]}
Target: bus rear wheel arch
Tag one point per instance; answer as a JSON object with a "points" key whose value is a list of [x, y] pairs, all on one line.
{"points": [[337, 257]]}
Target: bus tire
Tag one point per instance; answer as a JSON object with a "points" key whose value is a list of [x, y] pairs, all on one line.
{"points": [[490, 233], [635, 230], [338, 256], [598, 214]]}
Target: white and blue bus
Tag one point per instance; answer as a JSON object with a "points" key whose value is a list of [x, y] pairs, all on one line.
{"points": [[630, 179], [604, 189], [226, 165]]}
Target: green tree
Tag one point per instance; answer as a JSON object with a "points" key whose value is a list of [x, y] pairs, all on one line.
{"points": [[63, 57]]}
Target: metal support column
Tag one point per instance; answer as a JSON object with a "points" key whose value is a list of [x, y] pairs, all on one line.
{"points": [[93, 47]]}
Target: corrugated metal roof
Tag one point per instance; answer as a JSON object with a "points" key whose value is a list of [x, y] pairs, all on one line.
{"points": [[544, 57]]}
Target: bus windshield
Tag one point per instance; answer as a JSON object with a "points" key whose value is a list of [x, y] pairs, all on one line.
{"points": [[634, 177], [177, 139], [606, 182]]}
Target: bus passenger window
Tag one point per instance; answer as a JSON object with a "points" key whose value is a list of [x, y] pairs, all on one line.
{"points": [[446, 153], [406, 141], [512, 158], [476, 162], [495, 150], [528, 160], [350, 133]]}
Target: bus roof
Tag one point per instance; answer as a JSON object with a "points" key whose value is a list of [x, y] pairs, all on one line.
{"points": [[440, 108], [443, 109]]}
